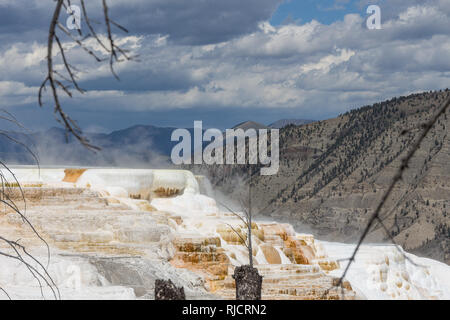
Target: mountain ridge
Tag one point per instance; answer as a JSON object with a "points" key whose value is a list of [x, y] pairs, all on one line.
{"points": [[285, 122], [333, 173]]}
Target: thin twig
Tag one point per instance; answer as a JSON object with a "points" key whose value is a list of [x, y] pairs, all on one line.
{"points": [[115, 54]]}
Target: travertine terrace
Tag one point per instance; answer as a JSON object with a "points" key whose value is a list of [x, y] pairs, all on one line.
{"points": [[120, 229]]}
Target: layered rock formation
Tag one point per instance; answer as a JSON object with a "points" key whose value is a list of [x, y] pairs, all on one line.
{"points": [[112, 232], [118, 246]]}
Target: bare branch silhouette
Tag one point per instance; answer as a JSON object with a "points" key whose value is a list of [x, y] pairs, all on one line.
{"points": [[58, 81], [6, 293], [16, 250], [55, 79], [246, 218]]}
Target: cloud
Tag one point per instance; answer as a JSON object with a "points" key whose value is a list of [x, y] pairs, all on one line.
{"points": [[194, 22], [15, 93], [221, 59], [337, 5], [189, 22]]}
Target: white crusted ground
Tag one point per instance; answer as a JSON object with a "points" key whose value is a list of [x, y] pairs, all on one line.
{"points": [[380, 271]]}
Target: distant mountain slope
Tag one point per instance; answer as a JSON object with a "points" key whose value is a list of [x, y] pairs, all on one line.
{"points": [[250, 125], [285, 122], [137, 146], [333, 173]]}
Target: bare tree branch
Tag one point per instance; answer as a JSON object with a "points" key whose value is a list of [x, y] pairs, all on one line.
{"points": [[246, 218], [18, 251], [115, 52], [239, 235], [6, 293]]}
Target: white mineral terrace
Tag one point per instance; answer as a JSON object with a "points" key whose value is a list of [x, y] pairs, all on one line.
{"points": [[112, 232]]}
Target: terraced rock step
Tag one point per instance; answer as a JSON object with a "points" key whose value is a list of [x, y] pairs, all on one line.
{"points": [[296, 282], [82, 220], [120, 245], [206, 256], [94, 223]]}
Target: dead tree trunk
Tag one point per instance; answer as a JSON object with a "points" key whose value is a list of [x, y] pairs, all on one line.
{"points": [[249, 226], [248, 280], [248, 283], [166, 290]]}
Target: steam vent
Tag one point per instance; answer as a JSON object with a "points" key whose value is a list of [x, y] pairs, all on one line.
{"points": [[113, 232]]}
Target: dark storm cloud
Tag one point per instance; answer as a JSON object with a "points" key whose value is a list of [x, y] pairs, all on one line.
{"points": [[143, 80], [194, 22], [187, 22], [24, 20], [216, 62]]}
